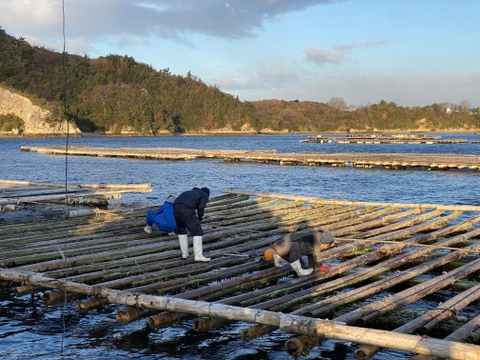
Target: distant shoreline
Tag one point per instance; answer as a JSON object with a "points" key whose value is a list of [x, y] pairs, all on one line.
{"points": [[272, 133]]}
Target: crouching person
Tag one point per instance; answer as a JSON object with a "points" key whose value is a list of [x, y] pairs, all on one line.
{"points": [[188, 209], [291, 247], [163, 218]]}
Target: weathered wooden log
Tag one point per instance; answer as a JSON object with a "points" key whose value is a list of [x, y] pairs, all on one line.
{"points": [[286, 322]]}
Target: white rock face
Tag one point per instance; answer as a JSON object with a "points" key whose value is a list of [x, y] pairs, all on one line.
{"points": [[33, 116]]}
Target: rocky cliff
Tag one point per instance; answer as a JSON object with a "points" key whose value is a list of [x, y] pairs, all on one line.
{"points": [[33, 116]]}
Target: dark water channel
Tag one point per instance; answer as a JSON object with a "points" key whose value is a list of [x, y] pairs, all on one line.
{"points": [[30, 329]]}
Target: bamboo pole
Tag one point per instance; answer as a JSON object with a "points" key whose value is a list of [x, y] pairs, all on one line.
{"points": [[137, 187], [92, 303], [346, 202], [286, 322], [463, 333], [131, 313], [407, 296], [166, 319], [301, 345], [206, 323], [325, 306], [256, 331], [433, 316]]}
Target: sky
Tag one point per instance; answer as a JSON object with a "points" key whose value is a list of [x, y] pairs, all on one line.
{"points": [[410, 52]]}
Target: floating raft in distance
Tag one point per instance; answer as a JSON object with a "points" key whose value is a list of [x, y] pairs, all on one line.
{"points": [[418, 261], [383, 139], [14, 193], [359, 160]]}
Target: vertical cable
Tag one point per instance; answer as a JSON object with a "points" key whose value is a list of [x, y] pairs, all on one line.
{"points": [[64, 54]]}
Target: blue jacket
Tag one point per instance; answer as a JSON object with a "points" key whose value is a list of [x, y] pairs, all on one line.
{"points": [[163, 217]]}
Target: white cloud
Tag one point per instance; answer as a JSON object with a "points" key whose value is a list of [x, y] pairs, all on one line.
{"points": [[322, 56]]}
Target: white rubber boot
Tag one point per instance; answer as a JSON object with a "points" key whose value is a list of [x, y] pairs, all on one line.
{"points": [[183, 240], [297, 266], [147, 229], [198, 249]]}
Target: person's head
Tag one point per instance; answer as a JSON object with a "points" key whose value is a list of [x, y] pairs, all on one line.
{"points": [[268, 254], [327, 240], [206, 191]]}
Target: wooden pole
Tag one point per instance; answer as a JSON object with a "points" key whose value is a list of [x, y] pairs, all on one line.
{"points": [[286, 322]]}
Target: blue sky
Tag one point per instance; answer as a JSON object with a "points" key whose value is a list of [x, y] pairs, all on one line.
{"points": [[411, 52]]}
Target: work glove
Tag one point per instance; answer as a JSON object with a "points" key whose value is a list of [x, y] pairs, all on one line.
{"points": [[324, 268]]}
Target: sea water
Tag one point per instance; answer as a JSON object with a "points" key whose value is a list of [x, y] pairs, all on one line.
{"points": [[30, 329]]}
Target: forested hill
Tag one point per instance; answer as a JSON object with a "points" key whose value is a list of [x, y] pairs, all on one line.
{"points": [[115, 94]]}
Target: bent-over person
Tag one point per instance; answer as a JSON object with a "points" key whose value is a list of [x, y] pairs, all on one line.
{"points": [[188, 209], [292, 246]]}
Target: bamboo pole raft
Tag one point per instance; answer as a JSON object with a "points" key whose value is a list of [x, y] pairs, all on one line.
{"points": [[383, 139], [390, 266], [360, 160], [15, 193]]}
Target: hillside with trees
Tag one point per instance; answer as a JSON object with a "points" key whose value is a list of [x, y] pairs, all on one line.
{"points": [[117, 95]]}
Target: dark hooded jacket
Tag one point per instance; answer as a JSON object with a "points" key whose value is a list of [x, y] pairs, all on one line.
{"points": [[196, 199]]}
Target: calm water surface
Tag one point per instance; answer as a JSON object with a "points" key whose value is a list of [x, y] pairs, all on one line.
{"points": [[29, 329]]}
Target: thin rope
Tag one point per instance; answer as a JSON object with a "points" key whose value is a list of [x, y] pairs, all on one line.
{"points": [[64, 253]]}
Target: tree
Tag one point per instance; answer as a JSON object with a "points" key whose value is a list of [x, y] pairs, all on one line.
{"points": [[464, 106], [337, 103]]}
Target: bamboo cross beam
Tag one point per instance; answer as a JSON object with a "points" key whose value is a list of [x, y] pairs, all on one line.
{"points": [[286, 322]]}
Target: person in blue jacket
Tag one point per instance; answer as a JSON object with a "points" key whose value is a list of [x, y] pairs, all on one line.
{"points": [[163, 218], [188, 209]]}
